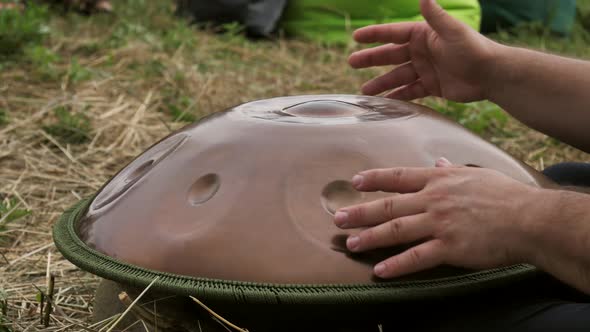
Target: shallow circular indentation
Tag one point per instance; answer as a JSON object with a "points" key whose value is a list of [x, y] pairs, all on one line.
{"points": [[139, 171], [339, 194], [136, 170], [325, 109], [204, 189]]}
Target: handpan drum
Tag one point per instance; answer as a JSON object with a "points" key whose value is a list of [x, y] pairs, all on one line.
{"points": [[240, 205]]}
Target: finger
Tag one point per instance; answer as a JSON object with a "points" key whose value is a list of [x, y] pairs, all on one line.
{"points": [[440, 21], [422, 257], [411, 91], [383, 55], [397, 33], [429, 74], [399, 179], [402, 75], [379, 211], [395, 232], [443, 162]]}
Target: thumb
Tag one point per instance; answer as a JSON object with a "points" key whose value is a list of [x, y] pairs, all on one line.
{"points": [[440, 21]]}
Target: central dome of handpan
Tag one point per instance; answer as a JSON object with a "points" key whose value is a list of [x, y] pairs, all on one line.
{"points": [[249, 195]]}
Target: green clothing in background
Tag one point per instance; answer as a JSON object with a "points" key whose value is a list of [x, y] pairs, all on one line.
{"points": [[557, 15], [332, 21]]}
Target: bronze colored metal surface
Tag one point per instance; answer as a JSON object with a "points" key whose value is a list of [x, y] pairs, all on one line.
{"points": [[249, 194]]}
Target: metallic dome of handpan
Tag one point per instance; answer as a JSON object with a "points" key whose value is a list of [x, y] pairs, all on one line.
{"points": [[242, 202]]}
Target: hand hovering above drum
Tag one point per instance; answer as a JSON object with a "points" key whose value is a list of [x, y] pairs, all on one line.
{"points": [[443, 57]]}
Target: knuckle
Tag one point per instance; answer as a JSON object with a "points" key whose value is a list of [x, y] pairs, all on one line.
{"points": [[441, 229], [415, 256], [395, 228], [443, 172], [356, 213], [441, 210], [437, 196], [396, 175], [367, 237], [388, 208]]}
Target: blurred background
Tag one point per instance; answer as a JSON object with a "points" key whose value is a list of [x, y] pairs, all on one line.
{"points": [[85, 86]]}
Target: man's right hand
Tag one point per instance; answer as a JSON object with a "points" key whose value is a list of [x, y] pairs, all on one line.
{"points": [[440, 57]]}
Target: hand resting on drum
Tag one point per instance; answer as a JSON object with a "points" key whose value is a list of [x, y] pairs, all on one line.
{"points": [[470, 217]]}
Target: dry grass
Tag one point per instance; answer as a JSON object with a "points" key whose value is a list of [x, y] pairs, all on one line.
{"points": [[122, 90]]}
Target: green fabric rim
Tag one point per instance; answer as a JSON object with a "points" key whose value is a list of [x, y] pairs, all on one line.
{"points": [[76, 251]]}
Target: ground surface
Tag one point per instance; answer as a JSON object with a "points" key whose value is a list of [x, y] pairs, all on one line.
{"points": [[87, 94]]}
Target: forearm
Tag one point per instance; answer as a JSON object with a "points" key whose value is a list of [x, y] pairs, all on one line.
{"points": [[561, 237], [547, 92]]}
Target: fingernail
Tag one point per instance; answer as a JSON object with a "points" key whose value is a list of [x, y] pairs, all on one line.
{"points": [[443, 162], [379, 269], [357, 181], [341, 218], [353, 242]]}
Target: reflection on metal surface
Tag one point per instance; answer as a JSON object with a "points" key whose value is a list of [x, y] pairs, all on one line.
{"points": [[136, 170], [325, 109]]}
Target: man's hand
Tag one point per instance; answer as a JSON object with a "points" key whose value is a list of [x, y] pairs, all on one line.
{"points": [[440, 57], [469, 217], [444, 57]]}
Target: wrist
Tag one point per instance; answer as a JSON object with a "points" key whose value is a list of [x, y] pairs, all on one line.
{"points": [[557, 227], [498, 72], [562, 238], [536, 225]]}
